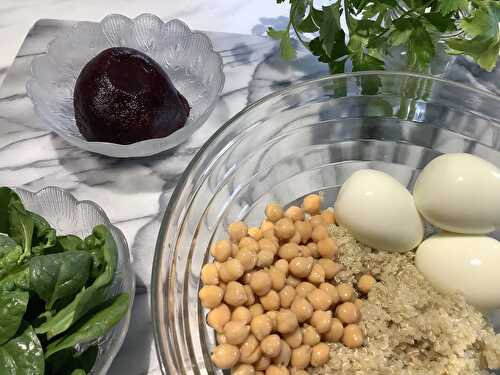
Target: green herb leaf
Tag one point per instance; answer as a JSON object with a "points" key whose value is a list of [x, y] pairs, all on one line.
{"points": [[448, 6], [330, 32], [287, 50], [22, 355], [95, 326], [12, 308], [421, 50]]}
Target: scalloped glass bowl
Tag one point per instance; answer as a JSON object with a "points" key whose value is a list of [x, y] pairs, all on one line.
{"points": [[188, 57], [308, 138], [69, 216]]}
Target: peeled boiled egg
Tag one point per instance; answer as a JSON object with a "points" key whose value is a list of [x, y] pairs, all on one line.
{"points": [[460, 193], [379, 211], [462, 263]]}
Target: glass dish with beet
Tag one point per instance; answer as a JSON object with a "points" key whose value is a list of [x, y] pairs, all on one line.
{"points": [[125, 93]]}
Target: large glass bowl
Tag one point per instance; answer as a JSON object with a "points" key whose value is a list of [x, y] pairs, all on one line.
{"points": [[308, 138], [67, 215]]}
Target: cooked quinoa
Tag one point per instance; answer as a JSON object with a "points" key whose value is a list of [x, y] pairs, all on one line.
{"points": [[410, 328]]}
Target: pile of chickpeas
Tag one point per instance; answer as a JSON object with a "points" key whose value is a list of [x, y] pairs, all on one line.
{"points": [[271, 294]]}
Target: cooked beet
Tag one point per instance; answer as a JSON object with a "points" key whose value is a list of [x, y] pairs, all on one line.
{"points": [[123, 96]]}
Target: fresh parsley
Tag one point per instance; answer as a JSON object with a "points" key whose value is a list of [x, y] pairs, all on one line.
{"points": [[469, 28]]}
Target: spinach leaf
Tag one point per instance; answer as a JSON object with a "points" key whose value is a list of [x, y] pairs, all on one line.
{"points": [[18, 278], [68, 362], [60, 275], [102, 247], [22, 355], [12, 308], [10, 254], [44, 237], [95, 326], [7, 197], [70, 242], [21, 227]]}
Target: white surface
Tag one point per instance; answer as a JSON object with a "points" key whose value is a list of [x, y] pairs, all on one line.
{"points": [[237, 16]]}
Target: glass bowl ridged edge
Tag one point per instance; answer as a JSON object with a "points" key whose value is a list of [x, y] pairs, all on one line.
{"points": [[126, 273], [109, 38], [168, 358]]}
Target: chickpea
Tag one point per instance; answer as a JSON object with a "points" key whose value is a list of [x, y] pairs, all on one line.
{"points": [[271, 346], [259, 373], [221, 250], [292, 281], [294, 339], [322, 321], [263, 363], [249, 243], [210, 274], [287, 295], [250, 350], [271, 301], [299, 372], [294, 213], [234, 250], [327, 247], [319, 233], [256, 309], [304, 228], [284, 228], [312, 204], [223, 286], [267, 226], [242, 314], [331, 268], [261, 283], [313, 248], [317, 220], [250, 296], [304, 288], [336, 331], [302, 309], [274, 212], [359, 303], [236, 332], [235, 294], [237, 230], [231, 270], [266, 244], [289, 251], [278, 278], [300, 266], [304, 251], [317, 274], [353, 337], [296, 238], [225, 356], [243, 369], [282, 265], [221, 338], [328, 216], [247, 258], [320, 353], [272, 315], [283, 359], [218, 317], [210, 296], [347, 313], [277, 370], [261, 326], [270, 235], [310, 336], [265, 258], [286, 322], [319, 299], [301, 357], [255, 233], [346, 292], [365, 283], [332, 291]]}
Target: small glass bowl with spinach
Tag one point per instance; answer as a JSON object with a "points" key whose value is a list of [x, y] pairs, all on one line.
{"points": [[64, 298]]}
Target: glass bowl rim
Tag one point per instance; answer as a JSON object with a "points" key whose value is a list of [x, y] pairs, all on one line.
{"points": [[162, 351], [128, 260]]}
